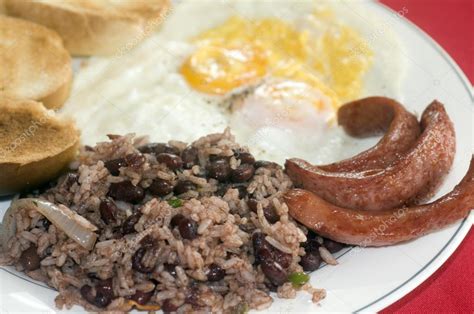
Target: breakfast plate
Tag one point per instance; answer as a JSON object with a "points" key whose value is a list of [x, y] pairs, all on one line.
{"points": [[365, 279]]}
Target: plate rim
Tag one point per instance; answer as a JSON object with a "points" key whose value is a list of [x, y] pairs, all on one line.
{"points": [[459, 234]]}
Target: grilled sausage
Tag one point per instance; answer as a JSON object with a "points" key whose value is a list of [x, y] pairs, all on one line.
{"points": [[413, 178], [365, 228], [373, 116]]}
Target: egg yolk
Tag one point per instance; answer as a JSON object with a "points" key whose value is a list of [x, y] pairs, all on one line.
{"points": [[218, 70], [293, 95], [242, 51]]}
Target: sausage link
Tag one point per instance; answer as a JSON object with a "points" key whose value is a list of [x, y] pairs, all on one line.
{"points": [[413, 178], [365, 228], [373, 116]]}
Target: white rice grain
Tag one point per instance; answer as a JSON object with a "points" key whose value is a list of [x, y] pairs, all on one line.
{"points": [[204, 225], [327, 256], [278, 245]]}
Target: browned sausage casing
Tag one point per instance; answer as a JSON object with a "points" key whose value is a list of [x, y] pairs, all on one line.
{"points": [[365, 228], [414, 177], [374, 116]]}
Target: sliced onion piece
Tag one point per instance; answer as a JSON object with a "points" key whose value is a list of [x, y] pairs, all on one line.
{"points": [[73, 225], [7, 228]]}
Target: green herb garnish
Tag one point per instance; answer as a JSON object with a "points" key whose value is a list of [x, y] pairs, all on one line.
{"points": [[175, 202], [241, 308], [298, 279]]}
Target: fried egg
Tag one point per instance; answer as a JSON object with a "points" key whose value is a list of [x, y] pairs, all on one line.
{"points": [[283, 67]]}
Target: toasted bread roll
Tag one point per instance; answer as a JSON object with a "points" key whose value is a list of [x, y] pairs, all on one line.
{"points": [[34, 63], [35, 145], [90, 27]]}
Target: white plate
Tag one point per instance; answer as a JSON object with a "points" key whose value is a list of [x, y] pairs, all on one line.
{"points": [[366, 280]]}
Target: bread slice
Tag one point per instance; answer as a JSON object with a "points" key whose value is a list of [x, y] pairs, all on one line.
{"points": [[34, 63], [92, 27], [35, 145]]}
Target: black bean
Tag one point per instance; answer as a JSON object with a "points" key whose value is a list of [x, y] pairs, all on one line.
{"points": [[114, 165], [168, 150], [131, 160], [137, 261], [242, 173], [333, 246], [189, 157], [183, 187], [176, 220], [272, 254], [141, 297], [102, 300], [169, 307], [312, 245], [265, 164], [246, 158], [274, 272], [98, 299], [128, 225], [310, 261], [30, 259], [192, 296], [107, 209], [160, 187], [219, 170], [158, 148], [147, 241], [88, 294], [264, 251], [215, 273], [135, 161], [188, 228], [270, 214], [105, 287], [268, 211], [258, 240], [252, 204], [282, 258], [171, 269], [262, 254], [171, 161], [126, 191], [260, 246], [148, 148]]}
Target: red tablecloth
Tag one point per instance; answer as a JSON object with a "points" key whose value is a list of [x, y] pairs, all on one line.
{"points": [[451, 288]]}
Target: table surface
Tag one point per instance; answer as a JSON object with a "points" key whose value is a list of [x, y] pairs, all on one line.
{"points": [[450, 288]]}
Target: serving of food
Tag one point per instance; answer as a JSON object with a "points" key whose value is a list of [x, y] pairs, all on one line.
{"points": [[213, 156]]}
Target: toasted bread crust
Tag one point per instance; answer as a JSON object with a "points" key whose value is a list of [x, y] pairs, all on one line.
{"points": [[57, 99], [89, 28], [35, 146], [35, 64]]}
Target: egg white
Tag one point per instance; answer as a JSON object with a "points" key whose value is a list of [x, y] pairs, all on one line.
{"points": [[142, 91]]}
